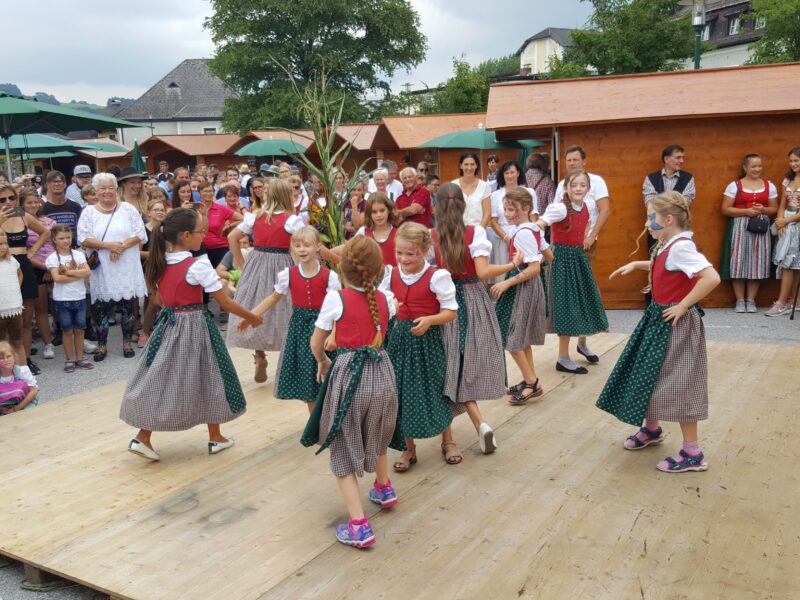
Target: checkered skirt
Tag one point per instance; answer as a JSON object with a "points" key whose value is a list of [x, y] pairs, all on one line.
{"points": [[256, 283], [183, 386], [528, 323], [369, 423], [681, 391], [480, 372], [750, 253]]}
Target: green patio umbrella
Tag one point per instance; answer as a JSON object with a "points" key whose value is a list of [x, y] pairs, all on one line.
{"points": [[271, 147], [137, 162], [473, 139], [21, 116], [42, 143]]}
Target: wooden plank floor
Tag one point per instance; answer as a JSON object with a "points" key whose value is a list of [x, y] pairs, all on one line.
{"points": [[560, 511]]}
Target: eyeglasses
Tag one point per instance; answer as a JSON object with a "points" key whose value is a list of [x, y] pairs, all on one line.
{"points": [[423, 170], [202, 231], [5, 199], [257, 187]]}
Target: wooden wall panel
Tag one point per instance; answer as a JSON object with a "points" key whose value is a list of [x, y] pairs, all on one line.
{"points": [[624, 153], [448, 161]]}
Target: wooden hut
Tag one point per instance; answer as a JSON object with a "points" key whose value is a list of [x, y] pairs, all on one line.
{"points": [[190, 150], [623, 122], [399, 138]]}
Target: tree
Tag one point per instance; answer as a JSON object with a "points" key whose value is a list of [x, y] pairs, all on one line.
{"points": [[466, 91], [780, 39], [629, 36], [358, 43], [561, 68], [505, 65]]}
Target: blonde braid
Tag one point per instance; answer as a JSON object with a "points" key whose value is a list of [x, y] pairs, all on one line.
{"points": [[366, 281]]}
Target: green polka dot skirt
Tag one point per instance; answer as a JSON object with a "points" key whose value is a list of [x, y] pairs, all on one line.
{"points": [[576, 308], [297, 367]]}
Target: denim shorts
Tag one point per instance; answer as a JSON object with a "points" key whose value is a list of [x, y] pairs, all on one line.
{"points": [[71, 314]]}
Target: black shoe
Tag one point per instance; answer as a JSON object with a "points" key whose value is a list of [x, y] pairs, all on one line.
{"points": [[590, 356], [128, 352], [57, 339], [578, 371], [34, 351], [100, 355], [33, 367]]}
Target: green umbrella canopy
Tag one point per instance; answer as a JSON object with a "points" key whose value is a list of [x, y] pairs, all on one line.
{"points": [[476, 139], [18, 115], [43, 143], [39, 155], [271, 148], [136, 161]]}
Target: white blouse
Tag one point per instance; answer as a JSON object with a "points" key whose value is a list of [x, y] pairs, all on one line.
{"points": [[363, 231], [473, 213], [685, 257], [480, 246], [199, 273], [597, 191], [525, 241], [731, 190], [24, 375], [441, 284], [557, 212], [282, 281], [293, 223], [332, 309]]}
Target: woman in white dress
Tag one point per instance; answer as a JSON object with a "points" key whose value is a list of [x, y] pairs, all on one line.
{"points": [[477, 192]]}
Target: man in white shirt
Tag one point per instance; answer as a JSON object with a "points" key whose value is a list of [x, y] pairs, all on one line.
{"points": [[393, 187], [599, 205]]}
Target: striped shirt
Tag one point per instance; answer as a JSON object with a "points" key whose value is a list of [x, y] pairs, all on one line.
{"points": [[649, 190]]}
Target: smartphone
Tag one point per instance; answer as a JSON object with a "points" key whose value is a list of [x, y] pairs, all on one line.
{"points": [[15, 211]]}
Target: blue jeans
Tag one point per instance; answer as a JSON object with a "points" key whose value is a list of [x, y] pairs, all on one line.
{"points": [[71, 314]]}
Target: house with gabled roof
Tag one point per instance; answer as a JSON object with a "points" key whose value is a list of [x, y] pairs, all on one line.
{"points": [[187, 100]]}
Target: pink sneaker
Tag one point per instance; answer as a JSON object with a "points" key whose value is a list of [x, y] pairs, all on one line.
{"points": [[778, 310]]}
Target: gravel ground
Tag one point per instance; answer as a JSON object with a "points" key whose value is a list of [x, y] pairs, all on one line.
{"points": [[721, 325]]}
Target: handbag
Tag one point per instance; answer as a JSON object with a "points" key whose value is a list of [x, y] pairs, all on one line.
{"points": [[94, 258], [758, 225]]}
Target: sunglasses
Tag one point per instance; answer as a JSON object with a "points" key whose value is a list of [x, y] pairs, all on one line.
{"points": [[5, 199]]}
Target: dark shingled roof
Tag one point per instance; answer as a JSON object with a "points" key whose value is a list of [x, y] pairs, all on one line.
{"points": [[187, 92], [563, 37]]}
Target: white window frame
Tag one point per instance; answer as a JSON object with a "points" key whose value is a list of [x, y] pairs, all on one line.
{"points": [[761, 22], [209, 130], [706, 32], [734, 24]]}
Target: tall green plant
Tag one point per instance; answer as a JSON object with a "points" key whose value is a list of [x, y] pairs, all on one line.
{"points": [[323, 109]]}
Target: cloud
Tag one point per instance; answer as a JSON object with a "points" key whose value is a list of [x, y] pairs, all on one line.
{"points": [[87, 50]]}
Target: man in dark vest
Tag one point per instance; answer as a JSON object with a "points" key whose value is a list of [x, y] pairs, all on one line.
{"points": [[670, 178]]}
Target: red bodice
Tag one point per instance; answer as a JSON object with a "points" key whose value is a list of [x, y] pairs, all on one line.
{"points": [[387, 246], [308, 292], [417, 299], [355, 328], [670, 286], [575, 235], [745, 199], [272, 234], [174, 289]]}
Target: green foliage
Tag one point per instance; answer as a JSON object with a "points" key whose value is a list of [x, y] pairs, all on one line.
{"points": [[563, 68], [466, 91], [629, 36], [358, 43], [505, 65], [780, 41]]}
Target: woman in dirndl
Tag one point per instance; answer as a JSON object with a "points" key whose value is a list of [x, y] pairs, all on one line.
{"points": [[307, 283], [749, 201], [185, 377], [663, 372], [475, 335], [271, 229], [427, 376], [574, 304], [357, 407]]}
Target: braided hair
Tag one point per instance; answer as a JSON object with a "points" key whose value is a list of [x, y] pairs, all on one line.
{"points": [[566, 199], [362, 264]]}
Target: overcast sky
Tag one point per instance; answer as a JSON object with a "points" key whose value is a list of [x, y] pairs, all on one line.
{"points": [[88, 50]]}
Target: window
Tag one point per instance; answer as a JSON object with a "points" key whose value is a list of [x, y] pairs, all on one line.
{"points": [[207, 130], [733, 25], [761, 22], [706, 32]]}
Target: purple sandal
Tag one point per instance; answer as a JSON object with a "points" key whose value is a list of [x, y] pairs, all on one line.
{"points": [[69, 366], [653, 438], [84, 364], [687, 463]]}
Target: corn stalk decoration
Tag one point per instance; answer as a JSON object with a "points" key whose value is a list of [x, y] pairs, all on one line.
{"points": [[324, 111]]}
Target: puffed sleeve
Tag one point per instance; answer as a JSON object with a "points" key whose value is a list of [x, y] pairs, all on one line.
{"points": [[247, 224], [294, 223], [386, 283], [362, 230], [554, 213], [773, 191], [202, 273], [480, 246], [685, 257], [442, 285], [333, 281], [282, 282], [730, 191], [525, 241], [330, 311], [390, 303]]}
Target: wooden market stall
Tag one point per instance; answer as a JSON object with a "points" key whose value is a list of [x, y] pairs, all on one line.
{"points": [[399, 138], [623, 122], [190, 150]]}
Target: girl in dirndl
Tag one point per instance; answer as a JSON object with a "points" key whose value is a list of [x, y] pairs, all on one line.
{"points": [[379, 224], [356, 415], [475, 335], [663, 373], [574, 303], [271, 229], [520, 297], [427, 376], [307, 283], [185, 377], [746, 254]]}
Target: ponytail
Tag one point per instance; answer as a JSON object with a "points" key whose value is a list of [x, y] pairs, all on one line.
{"points": [[450, 228], [179, 220]]}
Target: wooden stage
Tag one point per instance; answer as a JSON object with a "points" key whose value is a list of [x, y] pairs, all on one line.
{"points": [[560, 511]]}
